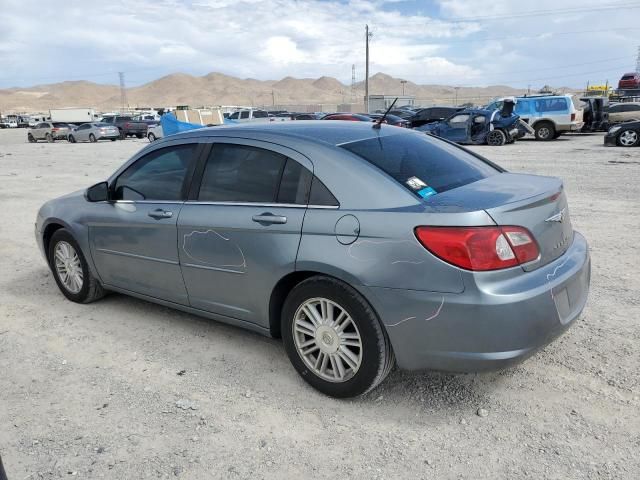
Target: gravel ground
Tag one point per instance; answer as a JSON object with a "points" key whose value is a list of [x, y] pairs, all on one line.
{"points": [[126, 389]]}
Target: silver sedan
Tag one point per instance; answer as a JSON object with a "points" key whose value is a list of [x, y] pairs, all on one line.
{"points": [[92, 132]]}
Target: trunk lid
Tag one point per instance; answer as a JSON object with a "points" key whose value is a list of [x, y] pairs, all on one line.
{"points": [[534, 202]]}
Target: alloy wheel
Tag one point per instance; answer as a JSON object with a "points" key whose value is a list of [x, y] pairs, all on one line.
{"points": [[68, 267], [628, 138], [327, 340]]}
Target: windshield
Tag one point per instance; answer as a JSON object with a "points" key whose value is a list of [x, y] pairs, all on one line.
{"points": [[424, 165]]}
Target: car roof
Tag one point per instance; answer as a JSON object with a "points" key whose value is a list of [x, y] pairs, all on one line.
{"points": [[318, 131]]}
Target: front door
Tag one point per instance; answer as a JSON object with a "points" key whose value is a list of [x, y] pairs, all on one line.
{"points": [[238, 235], [133, 238], [457, 128]]}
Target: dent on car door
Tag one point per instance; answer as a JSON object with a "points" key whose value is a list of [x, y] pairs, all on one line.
{"points": [[240, 230], [133, 236]]}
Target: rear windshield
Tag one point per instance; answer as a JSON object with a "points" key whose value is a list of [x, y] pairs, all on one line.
{"points": [[60, 124], [101, 125], [424, 165]]}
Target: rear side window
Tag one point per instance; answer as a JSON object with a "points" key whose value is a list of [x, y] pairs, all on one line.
{"points": [[320, 195], [295, 183], [422, 164], [240, 173], [552, 105]]}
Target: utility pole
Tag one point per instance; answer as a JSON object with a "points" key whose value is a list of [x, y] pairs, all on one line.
{"points": [[366, 73], [403, 83], [456, 89], [273, 98], [123, 91], [353, 83]]}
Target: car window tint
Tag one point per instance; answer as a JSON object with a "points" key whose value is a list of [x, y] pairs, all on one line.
{"points": [[260, 114], [433, 162], [158, 175], [320, 194], [240, 173], [295, 183], [244, 115]]}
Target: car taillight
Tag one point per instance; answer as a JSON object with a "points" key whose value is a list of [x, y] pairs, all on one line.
{"points": [[480, 248], [55, 129], [573, 117]]}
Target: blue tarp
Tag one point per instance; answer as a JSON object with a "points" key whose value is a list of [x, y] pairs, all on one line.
{"points": [[171, 125]]}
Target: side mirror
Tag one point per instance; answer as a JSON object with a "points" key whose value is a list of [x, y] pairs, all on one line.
{"points": [[98, 192]]}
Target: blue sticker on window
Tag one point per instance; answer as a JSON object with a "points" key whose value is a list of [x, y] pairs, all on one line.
{"points": [[426, 192]]}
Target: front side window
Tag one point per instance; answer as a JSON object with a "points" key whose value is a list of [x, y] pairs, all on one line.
{"points": [[458, 119], [240, 173], [159, 175]]}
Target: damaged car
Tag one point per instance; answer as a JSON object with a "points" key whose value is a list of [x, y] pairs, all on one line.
{"points": [[475, 126]]}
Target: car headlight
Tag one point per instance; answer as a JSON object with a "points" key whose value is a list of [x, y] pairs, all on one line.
{"points": [[614, 129]]}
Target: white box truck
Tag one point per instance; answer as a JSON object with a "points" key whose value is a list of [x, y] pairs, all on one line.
{"points": [[73, 115]]}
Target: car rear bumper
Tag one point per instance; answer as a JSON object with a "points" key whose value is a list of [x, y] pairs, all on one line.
{"points": [[491, 325]]}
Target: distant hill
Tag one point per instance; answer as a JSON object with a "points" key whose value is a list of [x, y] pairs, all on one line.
{"points": [[220, 89]]}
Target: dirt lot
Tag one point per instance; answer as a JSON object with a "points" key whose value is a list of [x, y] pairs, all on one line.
{"points": [[125, 389]]}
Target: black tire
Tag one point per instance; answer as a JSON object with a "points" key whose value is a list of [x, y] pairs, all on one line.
{"points": [[122, 135], [91, 289], [31, 138], [151, 137], [626, 137], [49, 138], [557, 135], [377, 355], [496, 138], [113, 139], [92, 138], [139, 135], [545, 131], [71, 139]]}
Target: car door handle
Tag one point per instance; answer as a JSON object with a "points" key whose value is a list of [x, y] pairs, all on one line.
{"points": [[160, 213], [268, 218]]}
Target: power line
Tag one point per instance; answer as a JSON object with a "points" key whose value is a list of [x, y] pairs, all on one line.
{"points": [[537, 13]]}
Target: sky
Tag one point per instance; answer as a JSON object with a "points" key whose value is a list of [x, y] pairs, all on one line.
{"points": [[452, 42]]}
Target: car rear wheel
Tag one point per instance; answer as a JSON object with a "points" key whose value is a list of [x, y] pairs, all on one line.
{"points": [[72, 139], [92, 138], [544, 131], [496, 138], [31, 138], [113, 139], [139, 135], [122, 135], [334, 338], [70, 269], [151, 137], [49, 138], [628, 138]]}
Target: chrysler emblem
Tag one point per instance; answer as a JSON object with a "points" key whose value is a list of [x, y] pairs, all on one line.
{"points": [[558, 217]]}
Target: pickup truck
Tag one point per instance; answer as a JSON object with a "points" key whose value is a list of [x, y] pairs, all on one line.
{"points": [[127, 126]]}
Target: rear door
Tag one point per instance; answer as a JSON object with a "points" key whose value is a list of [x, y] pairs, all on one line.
{"points": [[457, 128], [133, 238], [238, 235]]}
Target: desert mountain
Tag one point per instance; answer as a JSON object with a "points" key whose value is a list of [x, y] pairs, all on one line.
{"points": [[220, 89]]}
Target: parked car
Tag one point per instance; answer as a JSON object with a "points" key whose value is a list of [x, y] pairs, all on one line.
{"points": [[49, 131], [476, 126], [307, 116], [391, 120], [624, 134], [624, 112], [360, 247], [629, 81], [431, 115], [251, 115], [92, 132], [549, 115], [127, 126], [350, 117], [155, 132]]}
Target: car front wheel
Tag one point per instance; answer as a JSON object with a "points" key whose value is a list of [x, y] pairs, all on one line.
{"points": [[70, 269], [151, 137], [334, 339], [496, 138], [628, 138]]}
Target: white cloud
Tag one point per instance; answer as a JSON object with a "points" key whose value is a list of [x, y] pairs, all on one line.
{"points": [[272, 39]]}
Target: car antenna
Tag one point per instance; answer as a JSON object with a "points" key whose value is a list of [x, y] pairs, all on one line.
{"points": [[377, 124]]}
